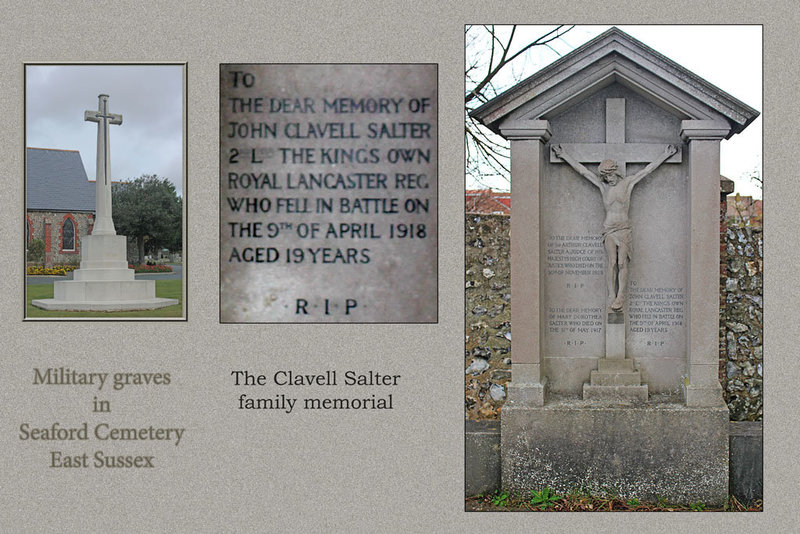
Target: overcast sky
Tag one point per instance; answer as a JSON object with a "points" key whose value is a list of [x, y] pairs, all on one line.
{"points": [[729, 57], [149, 98]]}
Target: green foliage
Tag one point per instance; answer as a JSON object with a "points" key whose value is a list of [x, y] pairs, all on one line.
{"points": [[149, 269], [36, 250], [697, 506], [149, 210], [583, 500], [544, 499], [500, 499]]}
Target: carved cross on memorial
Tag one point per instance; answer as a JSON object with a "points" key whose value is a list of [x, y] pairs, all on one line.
{"points": [[616, 188], [104, 224], [613, 157]]}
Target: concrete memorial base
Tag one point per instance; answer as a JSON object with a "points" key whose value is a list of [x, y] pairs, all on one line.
{"points": [[622, 393], [654, 450], [104, 282]]}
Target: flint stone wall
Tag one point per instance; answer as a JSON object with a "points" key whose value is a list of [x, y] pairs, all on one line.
{"points": [[741, 327], [488, 315]]}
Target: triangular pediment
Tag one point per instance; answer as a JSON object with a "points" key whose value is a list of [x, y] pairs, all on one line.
{"points": [[614, 57]]}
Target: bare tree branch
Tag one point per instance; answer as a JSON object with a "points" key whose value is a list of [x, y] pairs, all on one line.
{"points": [[493, 69], [491, 51]]}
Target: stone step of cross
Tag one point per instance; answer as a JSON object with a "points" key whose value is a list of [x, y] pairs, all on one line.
{"points": [[630, 378]]}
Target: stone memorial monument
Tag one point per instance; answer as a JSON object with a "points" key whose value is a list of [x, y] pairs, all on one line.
{"points": [[103, 282], [614, 363]]}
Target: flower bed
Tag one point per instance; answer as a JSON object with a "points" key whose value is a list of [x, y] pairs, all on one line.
{"points": [[55, 270], [150, 268]]}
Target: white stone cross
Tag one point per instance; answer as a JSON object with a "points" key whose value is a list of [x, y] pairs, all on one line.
{"points": [[615, 147], [104, 224]]}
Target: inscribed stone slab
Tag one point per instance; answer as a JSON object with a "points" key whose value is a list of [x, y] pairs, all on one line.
{"points": [[328, 193], [574, 257]]}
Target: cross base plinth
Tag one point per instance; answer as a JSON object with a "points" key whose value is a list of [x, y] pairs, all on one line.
{"points": [[616, 380], [103, 257], [104, 306], [104, 282]]}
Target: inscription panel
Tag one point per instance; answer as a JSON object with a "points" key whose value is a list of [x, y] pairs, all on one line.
{"points": [[573, 266], [573, 213], [655, 318], [328, 193]]}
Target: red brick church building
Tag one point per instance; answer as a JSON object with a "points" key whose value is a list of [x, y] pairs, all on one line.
{"points": [[59, 203]]}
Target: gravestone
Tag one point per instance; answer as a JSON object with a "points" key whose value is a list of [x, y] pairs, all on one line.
{"points": [[614, 267], [328, 193], [103, 282]]}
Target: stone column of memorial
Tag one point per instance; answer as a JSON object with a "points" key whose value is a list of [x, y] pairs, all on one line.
{"points": [[528, 160], [703, 138]]}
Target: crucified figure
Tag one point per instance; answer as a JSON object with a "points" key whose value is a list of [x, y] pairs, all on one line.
{"points": [[617, 237]]}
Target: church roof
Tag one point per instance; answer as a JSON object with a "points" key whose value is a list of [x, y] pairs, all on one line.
{"points": [[615, 57], [56, 181]]}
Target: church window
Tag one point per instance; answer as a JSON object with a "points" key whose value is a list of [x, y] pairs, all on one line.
{"points": [[68, 235]]}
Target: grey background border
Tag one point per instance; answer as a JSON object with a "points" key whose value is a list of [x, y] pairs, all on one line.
{"points": [[358, 472]]}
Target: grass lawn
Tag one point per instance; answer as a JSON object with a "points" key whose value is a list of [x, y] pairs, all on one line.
{"points": [[170, 289]]}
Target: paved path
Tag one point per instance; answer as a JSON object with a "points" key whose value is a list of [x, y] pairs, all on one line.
{"points": [[176, 274]]}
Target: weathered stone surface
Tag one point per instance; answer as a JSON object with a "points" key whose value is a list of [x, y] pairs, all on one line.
{"points": [[746, 472], [740, 305], [482, 352], [575, 291], [482, 457], [501, 374], [629, 378], [657, 450], [617, 393], [615, 366], [497, 392], [321, 220], [616, 378], [746, 461], [478, 366]]}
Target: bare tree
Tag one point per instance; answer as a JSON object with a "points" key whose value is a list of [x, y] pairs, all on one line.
{"points": [[755, 177], [491, 53]]}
